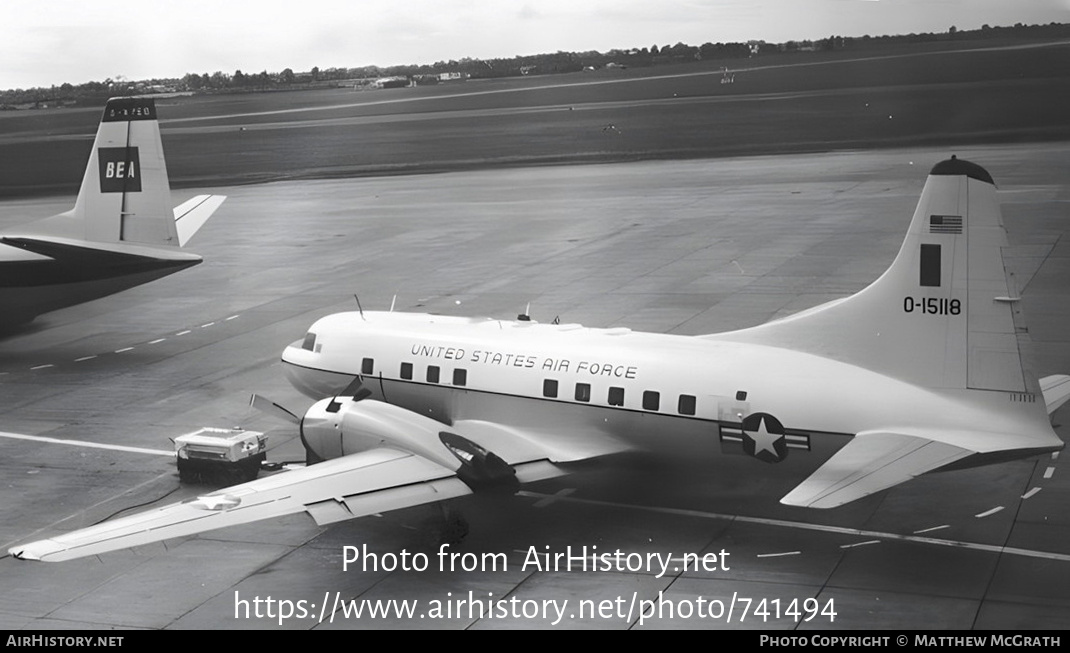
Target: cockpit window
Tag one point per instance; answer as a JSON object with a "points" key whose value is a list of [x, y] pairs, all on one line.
{"points": [[310, 342]]}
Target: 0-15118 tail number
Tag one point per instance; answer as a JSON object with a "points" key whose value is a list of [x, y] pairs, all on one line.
{"points": [[932, 306]]}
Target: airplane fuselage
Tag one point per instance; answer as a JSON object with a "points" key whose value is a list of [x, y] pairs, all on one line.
{"points": [[647, 390]]}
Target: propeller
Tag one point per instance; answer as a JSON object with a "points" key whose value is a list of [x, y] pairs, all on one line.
{"points": [[269, 407], [355, 390]]}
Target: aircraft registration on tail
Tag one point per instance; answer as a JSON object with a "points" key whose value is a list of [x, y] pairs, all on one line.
{"points": [[121, 233], [925, 369]]}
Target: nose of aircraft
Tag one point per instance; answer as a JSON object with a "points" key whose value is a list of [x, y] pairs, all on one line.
{"points": [[306, 371]]}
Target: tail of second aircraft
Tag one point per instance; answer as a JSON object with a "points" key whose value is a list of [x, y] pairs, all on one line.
{"points": [[125, 194], [946, 314]]}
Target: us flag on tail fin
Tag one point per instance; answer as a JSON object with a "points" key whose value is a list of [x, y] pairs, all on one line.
{"points": [[945, 224]]}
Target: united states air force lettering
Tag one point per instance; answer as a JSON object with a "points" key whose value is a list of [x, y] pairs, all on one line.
{"points": [[523, 360]]}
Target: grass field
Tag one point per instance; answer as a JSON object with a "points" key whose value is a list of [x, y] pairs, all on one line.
{"points": [[1012, 93]]}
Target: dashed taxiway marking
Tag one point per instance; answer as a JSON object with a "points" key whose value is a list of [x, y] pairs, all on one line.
{"points": [[88, 445], [986, 513], [1048, 472], [125, 349], [1031, 493], [934, 528], [778, 555], [866, 543], [991, 548]]}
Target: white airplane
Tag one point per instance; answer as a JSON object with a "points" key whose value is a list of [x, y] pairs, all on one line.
{"points": [[121, 233], [920, 371]]}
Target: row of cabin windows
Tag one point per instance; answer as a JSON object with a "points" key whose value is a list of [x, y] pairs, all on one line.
{"points": [[434, 374], [685, 404]]}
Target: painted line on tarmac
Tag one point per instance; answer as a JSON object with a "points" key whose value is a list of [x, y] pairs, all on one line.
{"points": [[866, 543], [934, 528], [841, 530], [88, 445], [126, 349]]}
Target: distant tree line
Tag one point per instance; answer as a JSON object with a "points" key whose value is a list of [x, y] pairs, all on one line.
{"points": [[94, 93]]}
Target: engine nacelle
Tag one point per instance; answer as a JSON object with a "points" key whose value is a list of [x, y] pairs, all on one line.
{"points": [[340, 426]]}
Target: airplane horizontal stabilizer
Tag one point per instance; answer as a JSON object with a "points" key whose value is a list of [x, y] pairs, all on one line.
{"points": [[872, 461], [1056, 389], [360, 484], [191, 215]]}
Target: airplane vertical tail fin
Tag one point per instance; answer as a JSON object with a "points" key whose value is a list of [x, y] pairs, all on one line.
{"points": [[946, 314], [125, 194]]}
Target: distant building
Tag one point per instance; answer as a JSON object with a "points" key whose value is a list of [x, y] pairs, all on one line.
{"points": [[392, 82], [452, 77]]}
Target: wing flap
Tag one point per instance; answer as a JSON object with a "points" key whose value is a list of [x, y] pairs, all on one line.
{"points": [[872, 461]]}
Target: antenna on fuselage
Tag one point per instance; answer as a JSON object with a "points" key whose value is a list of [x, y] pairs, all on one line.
{"points": [[526, 315], [392, 301], [359, 307]]}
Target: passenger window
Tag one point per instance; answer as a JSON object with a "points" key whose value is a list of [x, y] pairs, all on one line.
{"points": [[432, 374], [616, 396], [460, 376], [583, 392], [686, 405], [406, 371], [549, 388], [651, 400], [367, 366]]}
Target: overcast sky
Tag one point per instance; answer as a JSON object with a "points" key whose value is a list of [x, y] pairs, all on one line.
{"points": [[56, 41]]}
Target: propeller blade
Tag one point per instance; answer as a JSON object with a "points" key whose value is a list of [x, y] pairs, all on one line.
{"points": [[353, 389], [268, 406]]}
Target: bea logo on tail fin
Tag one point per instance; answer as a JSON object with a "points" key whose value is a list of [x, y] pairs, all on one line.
{"points": [[120, 170]]}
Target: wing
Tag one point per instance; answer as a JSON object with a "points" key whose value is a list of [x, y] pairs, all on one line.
{"points": [[360, 484], [872, 461], [193, 213]]}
